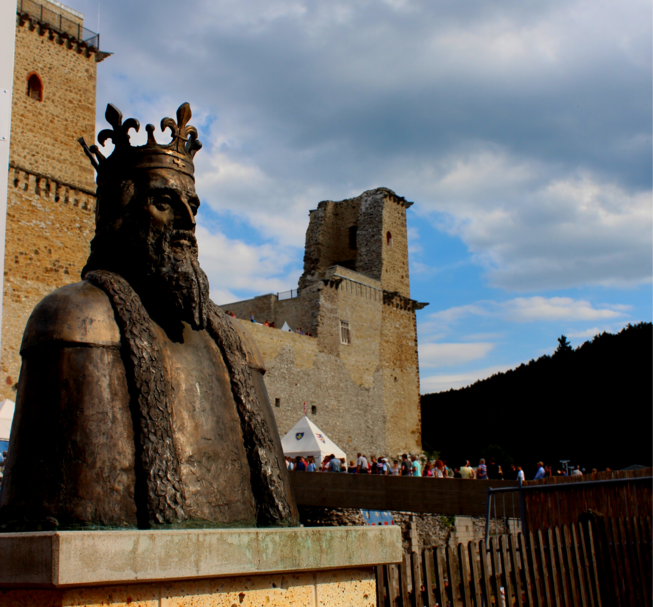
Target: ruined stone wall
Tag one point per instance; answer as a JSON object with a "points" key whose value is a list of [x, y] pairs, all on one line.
{"points": [[327, 238], [395, 254], [371, 385], [400, 379], [296, 311], [51, 202]]}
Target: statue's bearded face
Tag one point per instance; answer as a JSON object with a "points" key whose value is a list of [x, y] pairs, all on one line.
{"points": [[164, 249]]}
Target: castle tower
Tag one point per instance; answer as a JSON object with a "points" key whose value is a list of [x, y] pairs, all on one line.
{"points": [[51, 192], [360, 366]]}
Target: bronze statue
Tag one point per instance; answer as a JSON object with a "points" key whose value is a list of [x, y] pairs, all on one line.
{"points": [[140, 403]]}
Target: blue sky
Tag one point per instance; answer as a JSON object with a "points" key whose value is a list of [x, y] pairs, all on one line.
{"points": [[521, 130]]}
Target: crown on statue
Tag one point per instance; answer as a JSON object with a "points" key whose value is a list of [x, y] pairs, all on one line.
{"points": [[177, 155]]}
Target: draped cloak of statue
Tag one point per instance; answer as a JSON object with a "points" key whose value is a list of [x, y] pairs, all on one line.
{"points": [[126, 421]]}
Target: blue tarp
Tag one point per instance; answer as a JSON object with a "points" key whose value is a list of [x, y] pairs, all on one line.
{"points": [[377, 517]]}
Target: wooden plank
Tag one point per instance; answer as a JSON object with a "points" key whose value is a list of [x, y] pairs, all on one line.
{"points": [[590, 535], [569, 566], [516, 570], [505, 570], [475, 578], [404, 572], [380, 586], [374, 492], [538, 586], [642, 562], [465, 583], [585, 560], [629, 564], [572, 540], [417, 579], [392, 573], [526, 572], [496, 571], [613, 564], [486, 588], [555, 583], [428, 566], [637, 566], [544, 569], [440, 590], [452, 575], [618, 562], [564, 566]]}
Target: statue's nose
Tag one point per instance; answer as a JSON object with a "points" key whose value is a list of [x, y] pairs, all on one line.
{"points": [[185, 219]]}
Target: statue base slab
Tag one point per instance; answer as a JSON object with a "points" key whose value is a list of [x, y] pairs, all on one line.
{"points": [[177, 568]]}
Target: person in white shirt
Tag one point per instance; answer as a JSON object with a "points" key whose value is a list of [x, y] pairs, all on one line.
{"points": [[361, 464], [576, 471], [520, 474], [467, 471]]}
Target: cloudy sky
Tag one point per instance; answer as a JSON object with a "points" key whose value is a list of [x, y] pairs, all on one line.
{"points": [[520, 129]]}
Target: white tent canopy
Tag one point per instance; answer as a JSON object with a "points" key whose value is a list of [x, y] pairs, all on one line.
{"points": [[6, 417], [307, 439]]}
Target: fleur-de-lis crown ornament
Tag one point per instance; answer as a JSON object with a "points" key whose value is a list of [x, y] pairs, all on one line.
{"points": [[177, 155]]}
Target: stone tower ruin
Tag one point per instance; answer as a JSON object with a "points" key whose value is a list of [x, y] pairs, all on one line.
{"points": [[51, 193], [357, 371]]}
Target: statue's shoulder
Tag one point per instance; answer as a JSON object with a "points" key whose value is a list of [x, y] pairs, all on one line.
{"points": [[254, 358], [77, 313]]}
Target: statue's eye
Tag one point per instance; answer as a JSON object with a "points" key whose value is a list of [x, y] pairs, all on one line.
{"points": [[163, 203]]}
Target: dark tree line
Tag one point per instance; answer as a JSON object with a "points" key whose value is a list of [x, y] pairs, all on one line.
{"points": [[591, 405]]}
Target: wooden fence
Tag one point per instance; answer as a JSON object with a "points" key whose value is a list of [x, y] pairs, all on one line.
{"points": [[601, 563], [562, 500], [449, 497]]}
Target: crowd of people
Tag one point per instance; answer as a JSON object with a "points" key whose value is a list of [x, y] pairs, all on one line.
{"points": [[412, 466]]}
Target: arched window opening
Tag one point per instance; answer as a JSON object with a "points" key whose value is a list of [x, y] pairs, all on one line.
{"points": [[388, 239], [35, 87]]}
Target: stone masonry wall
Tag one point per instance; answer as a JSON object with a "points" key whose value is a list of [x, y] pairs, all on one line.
{"points": [[49, 229], [44, 133], [401, 379], [298, 372], [395, 255], [51, 202]]}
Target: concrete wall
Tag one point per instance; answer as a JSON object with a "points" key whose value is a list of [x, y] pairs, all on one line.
{"points": [[51, 202]]}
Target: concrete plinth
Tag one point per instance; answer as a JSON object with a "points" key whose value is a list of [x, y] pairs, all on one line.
{"points": [[307, 567]]}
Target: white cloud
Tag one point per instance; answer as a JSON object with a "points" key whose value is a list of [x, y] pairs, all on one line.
{"points": [[451, 354], [237, 270], [522, 128], [443, 382], [535, 229], [529, 309]]}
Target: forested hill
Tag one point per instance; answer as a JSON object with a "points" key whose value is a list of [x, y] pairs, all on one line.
{"points": [[592, 405]]}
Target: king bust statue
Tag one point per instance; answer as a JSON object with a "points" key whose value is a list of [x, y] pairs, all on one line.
{"points": [[140, 403]]}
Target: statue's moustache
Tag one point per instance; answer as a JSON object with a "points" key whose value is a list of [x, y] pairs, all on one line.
{"points": [[183, 237]]}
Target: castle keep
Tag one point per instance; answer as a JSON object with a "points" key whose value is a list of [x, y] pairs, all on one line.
{"points": [[51, 195], [358, 372]]}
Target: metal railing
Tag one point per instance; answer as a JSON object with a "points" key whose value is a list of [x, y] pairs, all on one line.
{"points": [[288, 294], [57, 22], [493, 492]]}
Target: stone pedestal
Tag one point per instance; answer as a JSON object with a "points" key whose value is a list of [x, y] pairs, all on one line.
{"points": [[303, 567]]}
